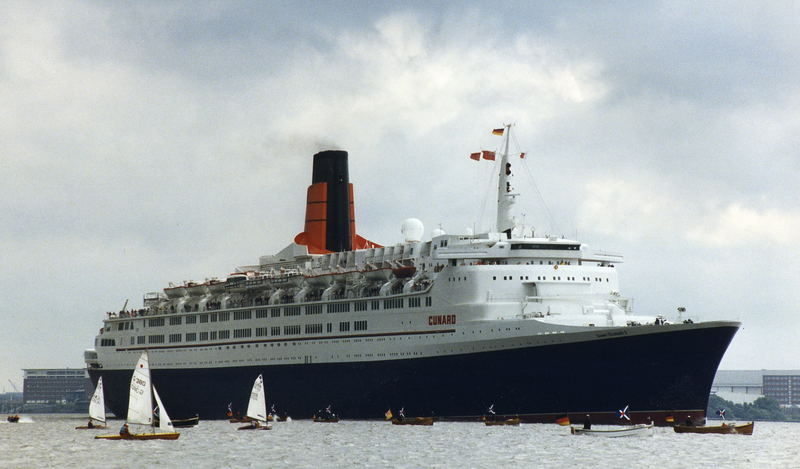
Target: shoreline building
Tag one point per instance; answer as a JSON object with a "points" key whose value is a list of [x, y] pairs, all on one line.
{"points": [[55, 385], [745, 386]]}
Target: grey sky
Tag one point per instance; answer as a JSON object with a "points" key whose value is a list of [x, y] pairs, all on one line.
{"points": [[143, 143]]}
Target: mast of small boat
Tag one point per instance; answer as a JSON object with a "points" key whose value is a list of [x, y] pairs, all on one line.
{"points": [[505, 195]]}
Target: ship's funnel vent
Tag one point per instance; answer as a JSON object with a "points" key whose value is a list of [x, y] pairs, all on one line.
{"points": [[330, 212]]}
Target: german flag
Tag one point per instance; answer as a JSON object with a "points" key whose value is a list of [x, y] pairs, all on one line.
{"points": [[498, 131], [669, 419], [563, 420]]}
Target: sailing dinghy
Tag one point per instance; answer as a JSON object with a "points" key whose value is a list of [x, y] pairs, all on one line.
{"points": [[140, 408], [257, 408], [97, 409]]}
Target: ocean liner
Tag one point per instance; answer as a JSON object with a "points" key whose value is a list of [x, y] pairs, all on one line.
{"points": [[534, 325]]}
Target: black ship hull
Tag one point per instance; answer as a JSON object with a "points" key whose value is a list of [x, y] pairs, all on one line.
{"points": [[664, 373]]}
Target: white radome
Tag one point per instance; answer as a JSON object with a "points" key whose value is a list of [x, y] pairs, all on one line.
{"points": [[412, 230]]}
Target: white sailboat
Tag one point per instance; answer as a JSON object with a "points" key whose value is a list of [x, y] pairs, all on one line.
{"points": [[97, 409], [257, 407], [140, 408]]}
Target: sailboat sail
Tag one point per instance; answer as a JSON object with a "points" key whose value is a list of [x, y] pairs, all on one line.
{"points": [[140, 400], [97, 406], [164, 423], [257, 408]]}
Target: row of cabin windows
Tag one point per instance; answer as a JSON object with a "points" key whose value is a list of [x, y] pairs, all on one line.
{"points": [[393, 303], [543, 277], [338, 308], [240, 315], [275, 312], [240, 333]]}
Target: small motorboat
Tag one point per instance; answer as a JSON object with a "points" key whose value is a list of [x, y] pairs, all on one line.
{"points": [[635, 430], [13, 418], [427, 421], [724, 429]]}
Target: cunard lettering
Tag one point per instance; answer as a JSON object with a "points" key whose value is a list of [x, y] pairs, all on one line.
{"points": [[441, 319]]}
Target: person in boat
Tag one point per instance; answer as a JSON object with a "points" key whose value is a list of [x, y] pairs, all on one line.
{"points": [[124, 430], [689, 422], [587, 423], [90, 424]]}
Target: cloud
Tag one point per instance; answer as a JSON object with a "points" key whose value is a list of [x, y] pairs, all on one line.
{"points": [[647, 207], [736, 225]]}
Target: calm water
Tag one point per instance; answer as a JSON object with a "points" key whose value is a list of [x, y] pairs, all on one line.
{"points": [[51, 441]]}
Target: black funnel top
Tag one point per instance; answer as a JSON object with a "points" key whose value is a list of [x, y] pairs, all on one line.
{"points": [[331, 167]]}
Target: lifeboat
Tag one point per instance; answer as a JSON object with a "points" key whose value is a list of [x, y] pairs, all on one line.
{"points": [[405, 271], [216, 286], [175, 292], [196, 289]]}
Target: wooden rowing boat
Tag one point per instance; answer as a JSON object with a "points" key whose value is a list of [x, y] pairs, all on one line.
{"points": [[513, 421], [724, 429], [182, 423], [635, 430], [141, 436], [326, 419], [427, 421]]}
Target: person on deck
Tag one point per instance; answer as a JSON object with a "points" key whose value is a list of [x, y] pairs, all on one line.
{"points": [[90, 424], [689, 422], [124, 430], [587, 423]]}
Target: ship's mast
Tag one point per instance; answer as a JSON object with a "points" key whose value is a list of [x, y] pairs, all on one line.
{"points": [[505, 195]]}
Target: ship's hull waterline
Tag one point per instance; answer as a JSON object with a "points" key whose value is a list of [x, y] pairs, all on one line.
{"points": [[666, 372]]}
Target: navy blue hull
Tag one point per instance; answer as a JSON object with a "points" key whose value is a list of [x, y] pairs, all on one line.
{"points": [[655, 374]]}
